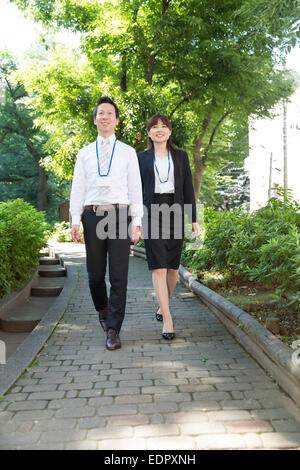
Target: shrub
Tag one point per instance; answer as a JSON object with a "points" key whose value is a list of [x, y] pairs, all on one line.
{"points": [[23, 233], [263, 246], [62, 232], [6, 277]]}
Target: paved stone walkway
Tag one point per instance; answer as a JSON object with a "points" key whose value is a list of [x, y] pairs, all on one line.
{"points": [[200, 391]]}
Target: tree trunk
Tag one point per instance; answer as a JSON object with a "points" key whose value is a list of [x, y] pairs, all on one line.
{"points": [[199, 155], [151, 62], [124, 73], [23, 131], [152, 53], [42, 190], [199, 163], [198, 173], [165, 6]]}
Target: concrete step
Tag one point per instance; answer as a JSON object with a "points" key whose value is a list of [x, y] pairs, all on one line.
{"points": [[20, 320], [12, 340], [52, 271], [25, 317], [48, 287], [48, 260], [44, 252]]}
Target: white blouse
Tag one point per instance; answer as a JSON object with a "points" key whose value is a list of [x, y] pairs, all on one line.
{"points": [[162, 165]]}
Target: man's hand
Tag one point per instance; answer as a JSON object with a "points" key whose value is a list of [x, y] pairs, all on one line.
{"points": [[75, 233], [136, 234], [196, 230]]}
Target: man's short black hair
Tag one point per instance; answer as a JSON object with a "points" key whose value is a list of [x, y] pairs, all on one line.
{"points": [[105, 99]]}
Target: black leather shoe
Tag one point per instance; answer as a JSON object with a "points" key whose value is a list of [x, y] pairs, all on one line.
{"points": [[103, 317], [112, 340], [168, 335], [158, 316]]}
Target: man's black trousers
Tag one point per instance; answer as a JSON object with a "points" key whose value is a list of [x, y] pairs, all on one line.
{"points": [[107, 234]]}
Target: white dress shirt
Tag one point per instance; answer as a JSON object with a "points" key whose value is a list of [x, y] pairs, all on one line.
{"points": [[162, 164], [122, 186]]}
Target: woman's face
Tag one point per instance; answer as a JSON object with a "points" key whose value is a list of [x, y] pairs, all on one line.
{"points": [[160, 132]]}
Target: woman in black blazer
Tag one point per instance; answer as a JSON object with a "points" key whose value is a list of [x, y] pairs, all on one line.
{"points": [[166, 180]]}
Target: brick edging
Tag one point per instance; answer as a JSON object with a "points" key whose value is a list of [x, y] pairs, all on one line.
{"points": [[23, 356], [269, 351]]}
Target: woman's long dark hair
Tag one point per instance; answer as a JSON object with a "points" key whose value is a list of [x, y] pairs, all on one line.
{"points": [[170, 146]]}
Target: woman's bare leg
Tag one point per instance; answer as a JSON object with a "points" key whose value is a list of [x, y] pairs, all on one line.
{"points": [[172, 279], [160, 284]]}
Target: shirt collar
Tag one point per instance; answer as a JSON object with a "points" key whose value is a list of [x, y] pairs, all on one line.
{"points": [[111, 138]]}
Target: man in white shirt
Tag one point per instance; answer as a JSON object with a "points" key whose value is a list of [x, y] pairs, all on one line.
{"points": [[106, 188]]}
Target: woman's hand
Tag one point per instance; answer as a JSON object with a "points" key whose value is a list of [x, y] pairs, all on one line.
{"points": [[196, 230]]}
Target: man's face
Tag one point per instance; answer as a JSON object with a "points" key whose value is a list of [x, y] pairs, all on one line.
{"points": [[106, 119]]}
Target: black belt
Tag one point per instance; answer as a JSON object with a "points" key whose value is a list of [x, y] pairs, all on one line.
{"points": [[106, 207]]}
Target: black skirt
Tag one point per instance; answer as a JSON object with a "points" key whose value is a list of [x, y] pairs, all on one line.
{"points": [[164, 234]]}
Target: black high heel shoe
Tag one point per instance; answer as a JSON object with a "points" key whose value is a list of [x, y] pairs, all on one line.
{"points": [[158, 316], [168, 335]]}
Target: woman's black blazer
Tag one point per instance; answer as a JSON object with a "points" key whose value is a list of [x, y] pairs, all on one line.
{"points": [[184, 191]]}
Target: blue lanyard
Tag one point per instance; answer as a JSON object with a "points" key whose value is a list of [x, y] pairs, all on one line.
{"points": [[158, 171], [111, 157]]}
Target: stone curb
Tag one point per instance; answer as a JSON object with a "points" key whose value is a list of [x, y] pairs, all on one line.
{"points": [[23, 356], [16, 298], [274, 356]]}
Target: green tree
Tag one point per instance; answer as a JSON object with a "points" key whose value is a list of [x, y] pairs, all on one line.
{"points": [[19, 137], [280, 18], [202, 62], [63, 89], [224, 178], [18, 171]]}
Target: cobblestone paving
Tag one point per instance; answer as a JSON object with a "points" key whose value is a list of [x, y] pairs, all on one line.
{"points": [[200, 391]]}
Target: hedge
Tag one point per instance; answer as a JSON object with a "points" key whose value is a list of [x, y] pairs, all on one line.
{"points": [[23, 233]]}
